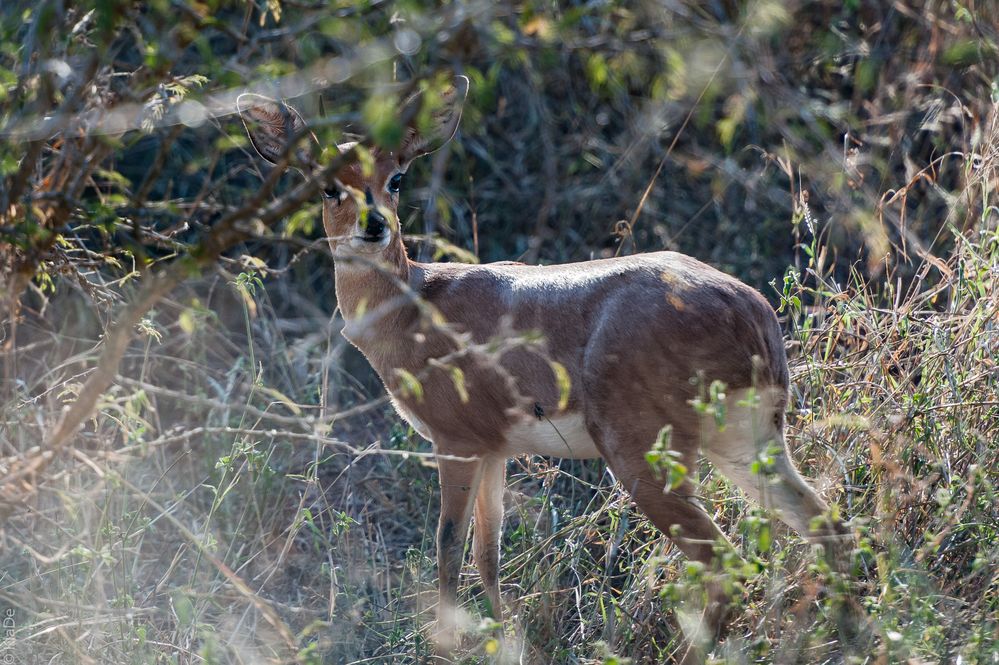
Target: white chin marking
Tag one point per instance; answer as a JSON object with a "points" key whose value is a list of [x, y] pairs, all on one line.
{"points": [[358, 245]]}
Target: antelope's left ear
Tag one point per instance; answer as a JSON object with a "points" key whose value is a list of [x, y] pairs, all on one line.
{"points": [[273, 126], [444, 118]]}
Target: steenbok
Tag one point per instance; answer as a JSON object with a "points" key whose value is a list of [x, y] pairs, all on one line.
{"points": [[583, 360]]}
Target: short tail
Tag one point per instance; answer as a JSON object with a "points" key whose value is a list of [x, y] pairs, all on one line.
{"points": [[777, 364], [778, 356]]}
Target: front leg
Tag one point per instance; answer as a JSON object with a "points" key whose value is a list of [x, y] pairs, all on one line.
{"points": [[459, 484]]}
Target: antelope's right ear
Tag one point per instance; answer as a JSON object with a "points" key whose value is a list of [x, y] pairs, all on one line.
{"points": [[272, 125], [445, 116]]}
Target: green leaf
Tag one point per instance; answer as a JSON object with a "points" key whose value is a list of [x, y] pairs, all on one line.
{"points": [[563, 382], [232, 142], [458, 377], [596, 71], [409, 385], [763, 539], [187, 322], [963, 53], [8, 165], [183, 608], [726, 128], [301, 222], [380, 115]]}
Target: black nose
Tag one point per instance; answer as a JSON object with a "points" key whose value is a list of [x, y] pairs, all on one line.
{"points": [[375, 226]]}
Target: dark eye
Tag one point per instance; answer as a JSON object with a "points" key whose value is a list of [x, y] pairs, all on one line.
{"points": [[332, 193], [394, 183]]}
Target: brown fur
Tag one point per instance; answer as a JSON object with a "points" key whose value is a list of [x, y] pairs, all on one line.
{"points": [[609, 323]]}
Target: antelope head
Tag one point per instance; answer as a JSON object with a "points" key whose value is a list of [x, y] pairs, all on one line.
{"points": [[360, 206]]}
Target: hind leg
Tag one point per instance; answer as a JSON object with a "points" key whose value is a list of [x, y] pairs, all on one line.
{"points": [[754, 436], [676, 512], [751, 452]]}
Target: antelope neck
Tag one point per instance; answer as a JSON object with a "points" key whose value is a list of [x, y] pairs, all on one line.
{"points": [[369, 295]]}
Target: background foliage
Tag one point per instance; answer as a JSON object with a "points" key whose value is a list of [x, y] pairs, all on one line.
{"points": [[239, 491]]}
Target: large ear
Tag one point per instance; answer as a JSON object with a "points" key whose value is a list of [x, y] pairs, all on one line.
{"points": [[272, 125], [444, 118]]}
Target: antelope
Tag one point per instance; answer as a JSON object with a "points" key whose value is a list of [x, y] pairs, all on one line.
{"points": [[619, 346]]}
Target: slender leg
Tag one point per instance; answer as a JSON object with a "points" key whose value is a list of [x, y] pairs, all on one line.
{"points": [[459, 484], [677, 513], [487, 530], [780, 488], [748, 433]]}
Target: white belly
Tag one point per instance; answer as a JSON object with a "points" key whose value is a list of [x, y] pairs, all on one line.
{"points": [[559, 436]]}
